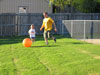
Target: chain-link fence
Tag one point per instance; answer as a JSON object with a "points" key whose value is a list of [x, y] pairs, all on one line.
{"points": [[81, 29]]}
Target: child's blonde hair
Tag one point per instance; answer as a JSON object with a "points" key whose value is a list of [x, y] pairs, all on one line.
{"points": [[32, 25]]}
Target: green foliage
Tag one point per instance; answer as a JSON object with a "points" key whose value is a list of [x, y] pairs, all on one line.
{"points": [[60, 3], [87, 6], [98, 0]]}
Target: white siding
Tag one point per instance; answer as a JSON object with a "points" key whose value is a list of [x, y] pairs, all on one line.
{"points": [[34, 6]]}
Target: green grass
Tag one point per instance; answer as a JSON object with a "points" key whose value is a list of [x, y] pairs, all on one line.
{"points": [[66, 57]]}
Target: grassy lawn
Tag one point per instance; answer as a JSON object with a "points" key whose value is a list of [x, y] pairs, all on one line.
{"points": [[66, 57]]}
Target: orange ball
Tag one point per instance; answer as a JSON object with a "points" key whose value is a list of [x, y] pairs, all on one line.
{"points": [[27, 42]]}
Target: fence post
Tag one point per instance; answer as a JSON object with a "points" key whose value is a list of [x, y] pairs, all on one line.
{"points": [[1, 30], [84, 29], [19, 24], [60, 24], [71, 28], [63, 27], [16, 24]]}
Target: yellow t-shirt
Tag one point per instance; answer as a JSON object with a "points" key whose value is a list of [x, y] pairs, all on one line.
{"points": [[47, 23]]}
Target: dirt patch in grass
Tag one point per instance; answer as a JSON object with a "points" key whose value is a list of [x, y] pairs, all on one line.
{"points": [[95, 73], [93, 41], [97, 57], [90, 54]]}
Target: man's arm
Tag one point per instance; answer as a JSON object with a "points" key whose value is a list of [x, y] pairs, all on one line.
{"points": [[55, 26], [41, 27]]}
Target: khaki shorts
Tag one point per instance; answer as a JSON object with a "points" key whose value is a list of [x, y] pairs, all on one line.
{"points": [[48, 34]]}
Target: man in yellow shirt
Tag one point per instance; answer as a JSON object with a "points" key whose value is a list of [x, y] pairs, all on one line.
{"points": [[47, 25]]}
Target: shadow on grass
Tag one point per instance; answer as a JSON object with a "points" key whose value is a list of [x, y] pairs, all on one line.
{"points": [[75, 43], [45, 46], [10, 40], [18, 39], [78, 43], [39, 38]]}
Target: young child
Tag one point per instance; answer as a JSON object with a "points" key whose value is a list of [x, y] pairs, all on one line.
{"points": [[32, 32]]}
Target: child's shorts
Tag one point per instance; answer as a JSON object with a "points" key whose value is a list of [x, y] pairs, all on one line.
{"points": [[32, 37]]}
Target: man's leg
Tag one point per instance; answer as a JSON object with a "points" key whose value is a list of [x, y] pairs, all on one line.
{"points": [[51, 36], [45, 37], [54, 38], [46, 41]]}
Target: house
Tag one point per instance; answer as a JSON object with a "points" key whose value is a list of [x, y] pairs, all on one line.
{"points": [[24, 6]]}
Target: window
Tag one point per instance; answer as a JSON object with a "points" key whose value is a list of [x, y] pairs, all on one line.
{"points": [[22, 9]]}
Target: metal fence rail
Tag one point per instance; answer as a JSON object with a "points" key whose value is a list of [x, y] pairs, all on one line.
{"points": [[81, 29]]}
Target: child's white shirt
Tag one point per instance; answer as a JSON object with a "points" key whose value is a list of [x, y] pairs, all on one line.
{"points": [[32, 32]]}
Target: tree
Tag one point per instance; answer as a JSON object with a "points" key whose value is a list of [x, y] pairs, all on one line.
{"points": [[97, 8], [60, 3], [85, 5]]}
